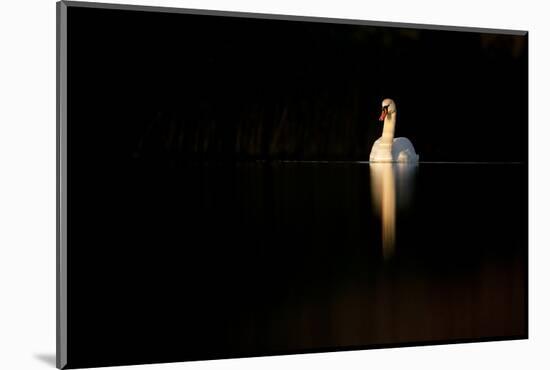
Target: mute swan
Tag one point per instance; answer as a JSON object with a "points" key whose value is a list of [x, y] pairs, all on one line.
{"points": [[388, 149]]}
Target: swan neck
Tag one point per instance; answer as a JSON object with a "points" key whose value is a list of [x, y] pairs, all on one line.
{"points": [[389, 127]]}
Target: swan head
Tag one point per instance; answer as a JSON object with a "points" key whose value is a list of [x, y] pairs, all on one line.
{"points": [[388, 108]]}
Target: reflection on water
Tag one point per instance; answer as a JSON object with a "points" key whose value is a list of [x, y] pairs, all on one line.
{"points": [[391, 189], [256, 258]]}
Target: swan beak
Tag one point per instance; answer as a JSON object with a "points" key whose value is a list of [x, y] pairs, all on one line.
{"points": [[383, 115]]}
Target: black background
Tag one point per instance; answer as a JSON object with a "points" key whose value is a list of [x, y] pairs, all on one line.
{"points": [[210, 87], [181, 247]]}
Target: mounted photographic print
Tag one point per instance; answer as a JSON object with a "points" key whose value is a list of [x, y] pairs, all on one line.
{"points": [[235, 185]]}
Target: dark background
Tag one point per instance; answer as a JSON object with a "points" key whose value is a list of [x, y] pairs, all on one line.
{"points": [[208, 87], [181, 247]]}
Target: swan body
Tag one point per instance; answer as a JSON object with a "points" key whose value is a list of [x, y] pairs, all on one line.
{"points": [[400, 150], [390, 149]]}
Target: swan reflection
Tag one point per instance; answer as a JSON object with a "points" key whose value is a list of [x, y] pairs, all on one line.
{"points": [[391, 189]]}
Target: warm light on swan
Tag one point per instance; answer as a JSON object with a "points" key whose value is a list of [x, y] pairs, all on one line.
{"points": [[388, 149]]}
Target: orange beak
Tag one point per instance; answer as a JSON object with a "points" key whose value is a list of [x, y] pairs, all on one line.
{"points": [[383, 115]]}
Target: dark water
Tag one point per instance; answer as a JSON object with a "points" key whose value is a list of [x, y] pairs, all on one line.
{"points": [[202, 261]]}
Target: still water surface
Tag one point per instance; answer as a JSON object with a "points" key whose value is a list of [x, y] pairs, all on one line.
{"points": [[257, 258], [354, 254]]}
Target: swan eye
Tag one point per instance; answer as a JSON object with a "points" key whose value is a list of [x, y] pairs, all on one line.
{"points": [[385, 107]]}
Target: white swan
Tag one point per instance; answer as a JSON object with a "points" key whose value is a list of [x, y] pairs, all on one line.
{"points": [[388, 149]]}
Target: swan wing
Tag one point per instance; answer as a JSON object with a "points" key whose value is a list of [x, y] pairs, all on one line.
{"points": [[403, 150]]}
